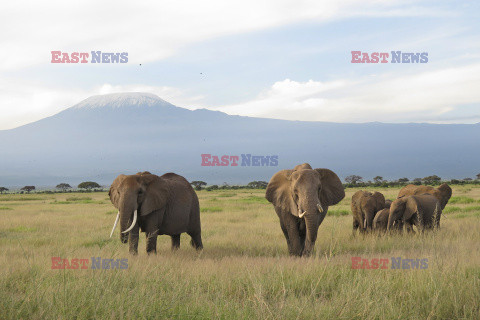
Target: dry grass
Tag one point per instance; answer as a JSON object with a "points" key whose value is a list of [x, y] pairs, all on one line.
{"points": [[244, 270]]}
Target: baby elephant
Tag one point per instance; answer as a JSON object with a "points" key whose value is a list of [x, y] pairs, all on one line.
{"points": [[423, 211], [380, 223], [364, 206]]}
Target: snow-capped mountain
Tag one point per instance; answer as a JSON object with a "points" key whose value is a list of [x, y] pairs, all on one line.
{"points": [[122, 100], [104, 136]]}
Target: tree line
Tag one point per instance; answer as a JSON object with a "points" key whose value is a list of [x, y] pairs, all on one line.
{"points": [[351, 181]]}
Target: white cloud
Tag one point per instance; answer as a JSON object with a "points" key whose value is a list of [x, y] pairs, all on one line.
{"points": [[152, 30], [418, 97]]}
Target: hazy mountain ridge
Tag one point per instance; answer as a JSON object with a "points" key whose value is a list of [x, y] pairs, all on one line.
{"points": [[103, 136]]}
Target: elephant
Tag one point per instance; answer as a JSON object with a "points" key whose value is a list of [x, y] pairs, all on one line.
{"points": [[302, 166], [442, 193], [364, 207], [380, 222], [388, 203], [155, 205], [423, 211], [301, 199]]}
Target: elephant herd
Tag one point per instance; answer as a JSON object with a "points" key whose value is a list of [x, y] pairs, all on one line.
{"points": [[168, 205], [419, 206]]}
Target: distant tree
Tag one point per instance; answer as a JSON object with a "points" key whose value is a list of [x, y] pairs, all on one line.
{"points": [[213, 187], [478, 176], [28, 188], [417, 181], [431, 179], [198, 184], [89, 185], [353, 179], [257, 185], [63, 186], [3, 189], [378, 179], [403, 180], [467, 179]]}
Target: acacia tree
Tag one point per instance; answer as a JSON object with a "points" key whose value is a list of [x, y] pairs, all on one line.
{"points": [[353, 179], [478, 176], [431, 179], [403, 180], [3, 189], [378, 179], [89, 185], [63, 186], [257, 184], [28, 188], [198, 184]]}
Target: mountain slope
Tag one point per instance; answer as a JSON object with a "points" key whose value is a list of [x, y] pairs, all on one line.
{"points": [[103, 136]]}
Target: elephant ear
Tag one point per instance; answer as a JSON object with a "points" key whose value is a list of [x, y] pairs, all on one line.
{"points": [[332, 191], [446, 194], [279, 193], [113, 193], [412, 206], [379, 200], [155, 193]]}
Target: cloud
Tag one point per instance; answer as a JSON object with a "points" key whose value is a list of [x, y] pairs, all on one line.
{"points": [[433, 96], [153, 30]]}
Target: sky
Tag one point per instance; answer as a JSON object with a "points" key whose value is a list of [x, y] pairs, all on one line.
{"points": [[274, 59]]}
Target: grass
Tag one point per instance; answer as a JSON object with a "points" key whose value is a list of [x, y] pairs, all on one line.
{"points": [[243, 272], [5, 208]]}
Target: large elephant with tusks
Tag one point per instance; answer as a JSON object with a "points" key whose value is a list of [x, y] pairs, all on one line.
{"points": [[155, 205], [301, 198]]}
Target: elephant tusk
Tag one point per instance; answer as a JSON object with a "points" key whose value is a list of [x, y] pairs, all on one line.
{"points": [[302, 214], [115, 224], [319, 206], [133, 223], [365, 223]]}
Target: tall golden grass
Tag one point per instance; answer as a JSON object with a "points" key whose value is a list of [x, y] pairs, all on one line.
{"points": [[243, 272]]}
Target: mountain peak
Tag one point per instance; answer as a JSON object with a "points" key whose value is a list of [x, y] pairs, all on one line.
{"points": [[120, 100]]}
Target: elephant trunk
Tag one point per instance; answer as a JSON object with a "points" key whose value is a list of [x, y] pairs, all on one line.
{"points": [[390, 222], [128, 219], [313, 217]]}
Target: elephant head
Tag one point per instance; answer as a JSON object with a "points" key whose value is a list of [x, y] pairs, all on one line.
{"points": [[443, 193], [306, 194], [134, 195], [381, 220], [402, 210], [302, 166], [388, 203]]}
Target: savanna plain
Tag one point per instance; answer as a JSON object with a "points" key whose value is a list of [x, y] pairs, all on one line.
{"points": [[244, 271]]}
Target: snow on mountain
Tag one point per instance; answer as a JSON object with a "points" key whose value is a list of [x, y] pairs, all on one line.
{"points": [[122, 100]]}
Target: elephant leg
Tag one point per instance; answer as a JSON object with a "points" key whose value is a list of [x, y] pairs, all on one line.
{"points": [[408, 227], [356, 225], [152, 242], [285, 233], [291, 224], [175, 242], [196, 241], [133, 240]]}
